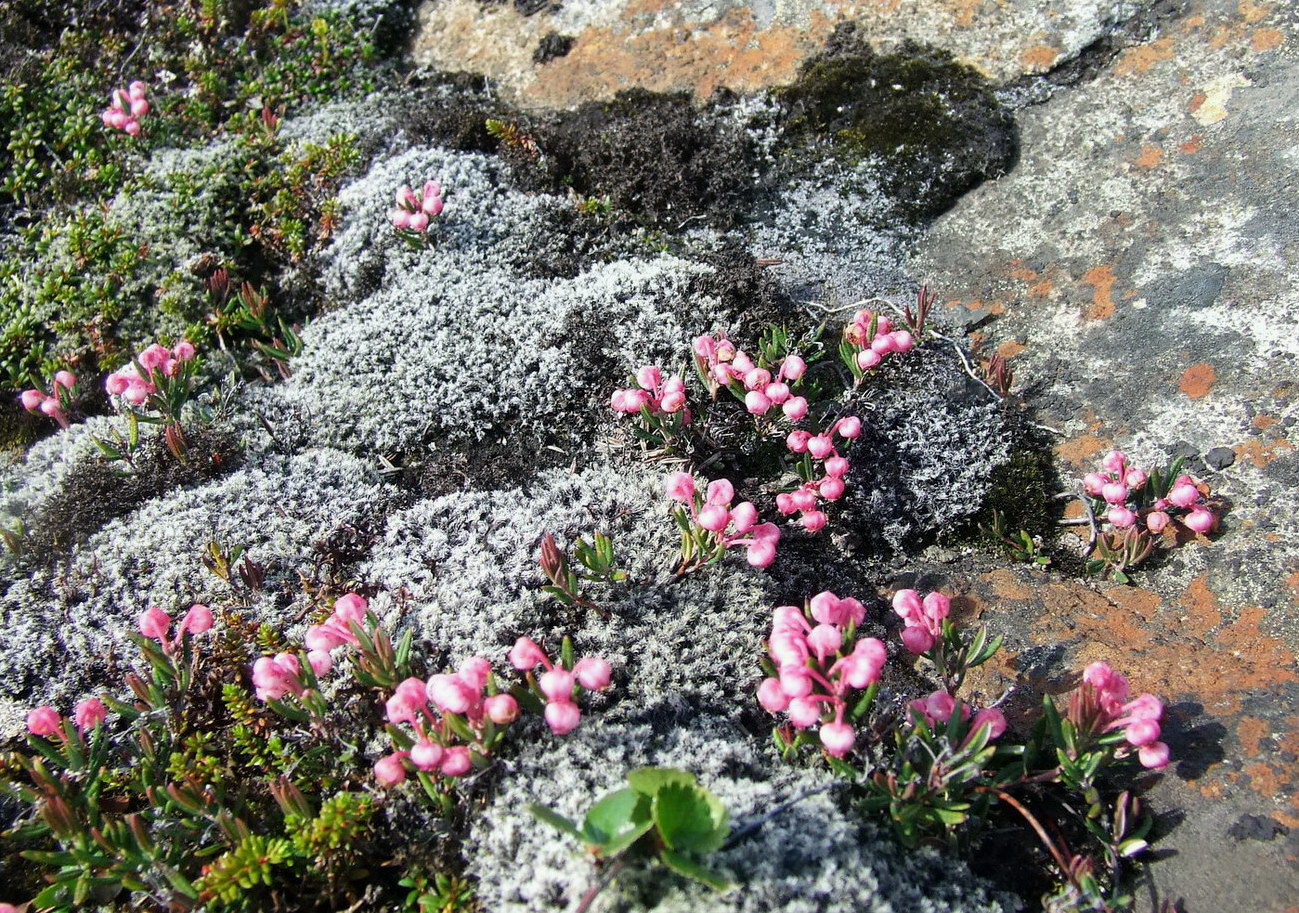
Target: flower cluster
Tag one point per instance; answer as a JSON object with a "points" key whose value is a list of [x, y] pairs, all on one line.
{"points": [[652, 393], [710, 525], [47, 723], [939, 706], [281, 674], [157, 363], [923, 618], [817, 666], [1133, 496], [721, 364], [415, 209], [126, 108], [868, 339], [155, 624], [560, 683], [826, 483], [55, 403], [1101, 705]]}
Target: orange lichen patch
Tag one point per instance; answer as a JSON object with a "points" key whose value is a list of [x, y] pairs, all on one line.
{"points": [[1101, 278], [1082, 448], [1266, 40], [965, 11], [1252, 12], [1005, 585], [1259, 453], [1010, 348], [1198, 99], [1141, 59], [1250, 732], [1192, 145], [1264, 779], [1197, 380], [1150, 157], [1074, 510], [1263, 421], [1040, 56], [1201, 605]]}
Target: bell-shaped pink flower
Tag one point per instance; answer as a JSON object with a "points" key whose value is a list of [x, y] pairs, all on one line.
{"points": [[525, 655], [501, 709], [389, 770], [198, 620], [793, 367], [1199, 520], [457, 761], [426, 755], [795, 408], [804, 712], [44, 721], [593, 673], [1154, 756], [837, 738], [562, 717], [89, 713], [771, 696], [154, 623], [680, 486]]}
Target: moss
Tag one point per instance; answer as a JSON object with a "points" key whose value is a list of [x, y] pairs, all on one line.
{"points": [[1024, 486], [934, 124]]}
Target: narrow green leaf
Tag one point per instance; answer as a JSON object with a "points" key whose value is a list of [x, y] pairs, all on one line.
{"points": [[555, 820]]}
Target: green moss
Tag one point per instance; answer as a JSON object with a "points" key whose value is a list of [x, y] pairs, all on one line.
{"points": [[934, 124], [1024, 487]]}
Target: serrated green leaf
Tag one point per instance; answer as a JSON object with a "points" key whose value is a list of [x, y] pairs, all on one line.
{"points": [[621, 813], [649, 780], [691, 869], [690, 818]]}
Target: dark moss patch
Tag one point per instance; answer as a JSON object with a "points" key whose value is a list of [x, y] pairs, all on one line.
{"points": [[98, 491], [484, 466], [933, 124], [650, 154], [452, 110], [551, 47], [1024, 487]]}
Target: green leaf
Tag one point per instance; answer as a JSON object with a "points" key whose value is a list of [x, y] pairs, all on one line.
{"points": [[649, 780], [691, 869], [617, 821], [690, 818], [555, 820]]}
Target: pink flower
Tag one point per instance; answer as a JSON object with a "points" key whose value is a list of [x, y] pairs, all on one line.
{"points": [[814, 521], [562, 717], [1098, 675], [761, 554], [793, 367], [907, 603], [456, 762], [413, 691], [991, 717], [820, 446], [1134, 478], [680, 486], [593, 674], [525, 654], [1154, 756], [831, 488], [917, 640], [1141, 732], [903, 341], [778, 393], [757, 403], [836, 466], [795, 408], [937, 606], [426, 755], [184, 350], [770, 695], [824, 641], [714, 518], [837, 738], [32, 399], [1184, 494], [197, 620], [868, 358], [320, 661], [475, 671], [1113, 461], [1157, 521], [744, 516], [154, 623], [1199, 520], [350, 608], [757, 379], [89, 713], [399, 708], [1115, 493], [1094, 483], [557, 684], [720, 492], [450, 693], [649, 377], [1121, 517], [797, 441], [389, 770], [849, 427], [501, 709], [804, 712], [44, 721]]}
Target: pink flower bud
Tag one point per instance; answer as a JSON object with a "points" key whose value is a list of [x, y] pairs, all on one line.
{"points": [[1098, 675], [825, 607], [867, 661], [501, 709], [907, 603], [137, 393], [137, 89], [744, 516], [771, 697], [65, 379], [400, 218], [777, 393], [883, 324], [426, 755], [793, 367], [401, 709], [139, 107], [89, 714], [761, 554], [831, 488], [849, 427], [1199, 520], [795, 408], [1121, 517], [785, 503], [450, 693], [837, 738], [803, 499], [757, 379], [1154, 756], [797, 441], [350, 608], [44, 721], [320, 661], [820, 446], [413, 691], [557, 684], [457, 761], [418, 221], [116, 384], [562, 717], [882, 343], [1135, 478], [1113, 461], [1157, 521], [937, 606], [154, 623], [725, 350], [902, 340], [592, 673], [680, 486], [184, 350], [198, 620], [940, 705], [525, 655], [836, 466], [868, 358], [649, 377], [757, 403], [917, 640], [796, 682], [720, 491], [672, 402], [991, 717], [824, 640], [389, 770], [475, 671], [804, 712], [742, 363], [1115, 493], [814, 521], [32, 399], [132, 127], [705, 347], [50, 407], [714, 518], [1094, 483], [1141, 732]]}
